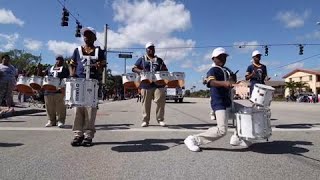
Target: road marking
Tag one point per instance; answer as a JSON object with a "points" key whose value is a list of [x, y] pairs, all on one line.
{"points": [[147, 129]]}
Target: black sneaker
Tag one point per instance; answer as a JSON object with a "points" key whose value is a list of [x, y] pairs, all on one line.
{"points": [[87, 142], [77, 141]]}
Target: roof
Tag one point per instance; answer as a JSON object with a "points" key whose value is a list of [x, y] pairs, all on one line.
{"points": [[268, 83], [315, 72]]}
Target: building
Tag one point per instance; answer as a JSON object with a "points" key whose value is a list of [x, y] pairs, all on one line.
{"points": [[243, 88], [310, 77]]}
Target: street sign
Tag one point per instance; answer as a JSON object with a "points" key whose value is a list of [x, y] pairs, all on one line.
{"points": [[126, 56]]}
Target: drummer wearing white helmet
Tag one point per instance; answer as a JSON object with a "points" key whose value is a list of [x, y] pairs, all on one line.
{"points": [[220, 86], [151, 63], [256, 72], [84, 122]]}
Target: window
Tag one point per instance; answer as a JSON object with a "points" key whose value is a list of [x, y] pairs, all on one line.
{"points": [[310, 78], [300, 79], [290, 79]]}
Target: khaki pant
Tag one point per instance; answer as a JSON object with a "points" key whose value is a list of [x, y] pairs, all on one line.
{"points": [[55, 107], [159, 97], [84, 122], [217, 132]]}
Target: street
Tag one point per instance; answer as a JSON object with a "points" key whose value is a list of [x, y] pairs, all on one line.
{"points": [[124, 150]]}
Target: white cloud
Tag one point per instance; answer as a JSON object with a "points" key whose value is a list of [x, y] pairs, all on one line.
{"points": [[203, 68], [144, 21], [186, 64], [313, 35], [7, 17], [294, 66], [62, 47], [32, 44], [7, 42], [291, 19], [246, 46]]}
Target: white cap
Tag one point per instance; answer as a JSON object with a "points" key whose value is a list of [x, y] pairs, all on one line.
{"points": [[88, 29], [217, 51], [149, 44], [255, 52]]}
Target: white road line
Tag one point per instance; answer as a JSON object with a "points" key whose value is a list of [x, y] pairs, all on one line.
{"points": [[146, 129]]}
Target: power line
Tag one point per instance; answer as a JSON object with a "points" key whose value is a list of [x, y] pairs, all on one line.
{"points": [[225, 46], [298, 61]]}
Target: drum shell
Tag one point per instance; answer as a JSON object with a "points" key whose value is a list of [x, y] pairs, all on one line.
{"points": [[80, 92], [176, 80], [262, 95], [131, 80], [161, 78], [23, 85], [146, 78], [51, 84], [254, 123], [35, 82]]}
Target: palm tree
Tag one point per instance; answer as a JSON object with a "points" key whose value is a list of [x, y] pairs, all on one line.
{"points": [[291, 86], [301, 85]]}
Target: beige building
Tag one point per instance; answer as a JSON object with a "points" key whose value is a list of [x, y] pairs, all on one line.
{"points": [[310, 77], [243, 88]]}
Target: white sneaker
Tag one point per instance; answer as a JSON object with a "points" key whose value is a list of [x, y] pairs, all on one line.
{"points": [[144, 124], [49, 124], [191, 144], [235, 140], [60, 124], [162, 123]]}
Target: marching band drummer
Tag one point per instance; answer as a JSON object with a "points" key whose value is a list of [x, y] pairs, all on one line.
{"points": [[220, 87], [84, 121], [256, 72], [54, 101], [151, 63]]}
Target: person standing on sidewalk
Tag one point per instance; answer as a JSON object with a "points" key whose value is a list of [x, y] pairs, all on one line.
{"points": [[7, 82], [151, 63], [54, 101], [84, 120]]}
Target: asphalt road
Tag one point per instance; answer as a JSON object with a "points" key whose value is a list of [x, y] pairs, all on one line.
{"points": [[124, 150]]}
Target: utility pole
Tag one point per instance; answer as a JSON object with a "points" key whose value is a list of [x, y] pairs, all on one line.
{"points": [[104, 75]]}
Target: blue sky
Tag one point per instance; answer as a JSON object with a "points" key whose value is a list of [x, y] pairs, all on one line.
{"points": [[34, 25]]}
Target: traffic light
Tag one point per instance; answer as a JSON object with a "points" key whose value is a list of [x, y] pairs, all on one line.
{"points": [[65, 17], [300, 49], [266, 51], [78, 29]]}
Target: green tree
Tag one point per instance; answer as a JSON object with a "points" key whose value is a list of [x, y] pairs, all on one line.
{"points": [[301, 85], [291, 86], [23, 60]]}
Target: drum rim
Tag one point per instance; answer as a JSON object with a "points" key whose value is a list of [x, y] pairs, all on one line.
{"points": [[263, 86]]}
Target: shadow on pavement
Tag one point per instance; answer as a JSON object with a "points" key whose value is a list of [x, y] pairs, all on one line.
{"points": [[22, 112], [112, 126], [296, 126], [172, 102], [10, 144], [8, 121], [142, 145], [275, 147]]}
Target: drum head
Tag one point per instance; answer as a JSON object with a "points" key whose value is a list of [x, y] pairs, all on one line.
{"points": [[49, 88], [35, 86], [24, 88]]}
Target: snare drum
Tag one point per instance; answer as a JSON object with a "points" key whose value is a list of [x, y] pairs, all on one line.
{"points": [[262, 95], [161, 78], [131, 80], [81, 92], [23, 85], [51, 84], [146, 77], [177, 79], [254, 123], [35, 82]]}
